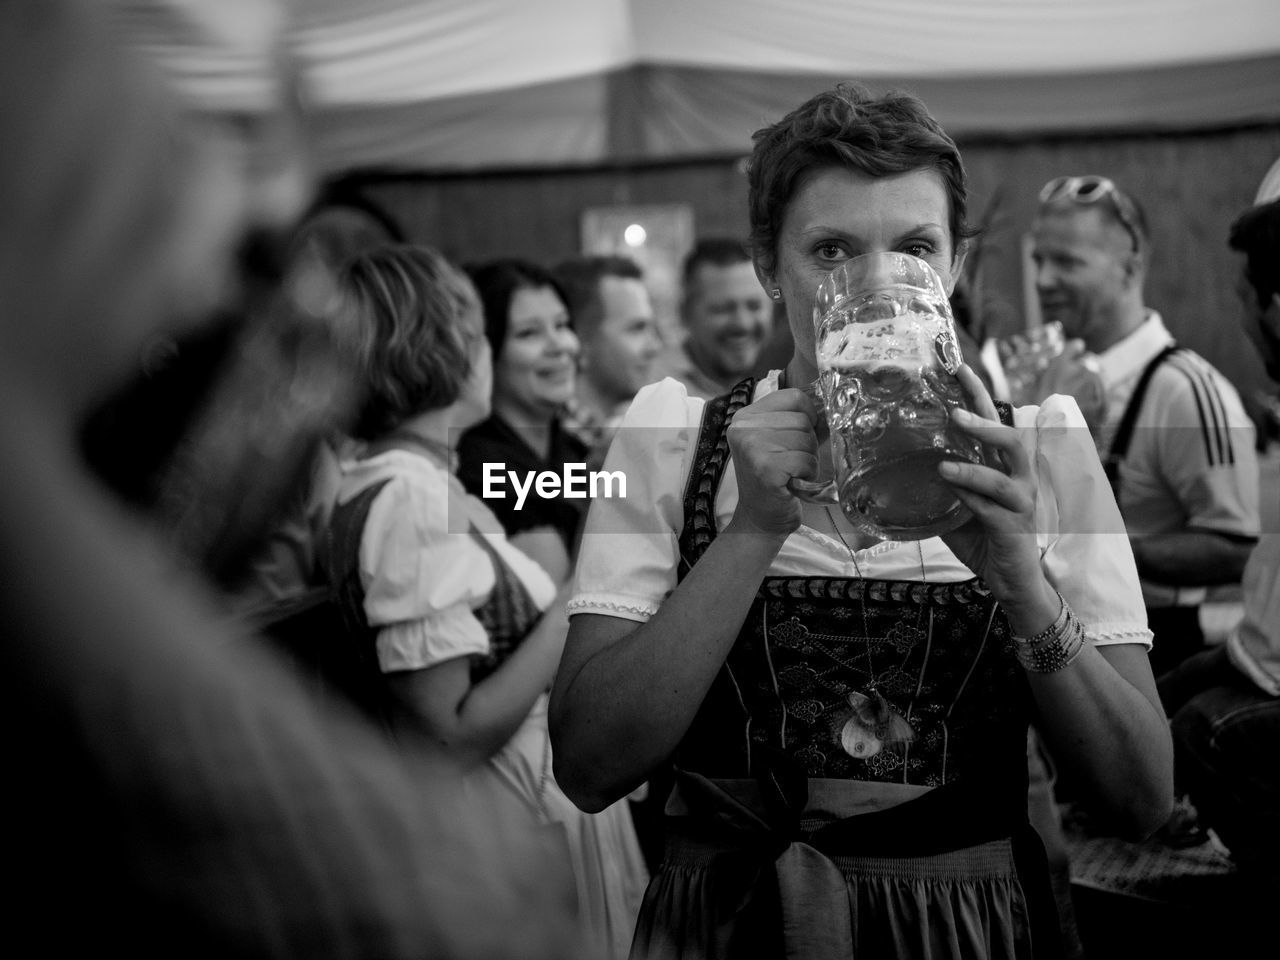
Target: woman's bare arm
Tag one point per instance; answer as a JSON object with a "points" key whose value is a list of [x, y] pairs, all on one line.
{"points": [[1102, 719], [626, 693], [1100, 714], [545, 545], [471, 723]]}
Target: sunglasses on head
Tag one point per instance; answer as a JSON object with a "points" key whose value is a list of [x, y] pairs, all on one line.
{"points": [[1091, 189]]}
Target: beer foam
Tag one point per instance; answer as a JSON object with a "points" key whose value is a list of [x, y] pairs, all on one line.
{"points": [[905, 342]]}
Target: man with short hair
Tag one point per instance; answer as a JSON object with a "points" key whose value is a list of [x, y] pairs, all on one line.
{"points": [[727, 319], [613, 318], [1176, 440]]}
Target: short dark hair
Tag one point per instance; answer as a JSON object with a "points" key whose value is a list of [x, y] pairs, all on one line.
{"points": [[342, 221], [350, 191], [1256, 234], [414, 355], [497, 282], [580, 280], [847, 126], [716, 251]]}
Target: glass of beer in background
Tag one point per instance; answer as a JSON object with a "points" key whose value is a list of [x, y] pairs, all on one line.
{"points": [[1025, 356]]}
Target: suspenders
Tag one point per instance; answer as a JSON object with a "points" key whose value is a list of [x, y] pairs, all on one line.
{"points": [[1124, 432], [711, 456]]}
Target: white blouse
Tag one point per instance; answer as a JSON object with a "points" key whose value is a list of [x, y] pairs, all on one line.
{"points": [[629, 553], [423, 573]]}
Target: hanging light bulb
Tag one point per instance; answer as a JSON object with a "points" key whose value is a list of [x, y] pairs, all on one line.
{"points": [[635, 235]]}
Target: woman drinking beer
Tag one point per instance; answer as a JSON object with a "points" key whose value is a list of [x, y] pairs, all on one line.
{"points": [[847, 717]]}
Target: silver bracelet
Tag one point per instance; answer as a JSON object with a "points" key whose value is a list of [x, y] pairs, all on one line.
{"points": [[1051, 650], [1052, 630]]}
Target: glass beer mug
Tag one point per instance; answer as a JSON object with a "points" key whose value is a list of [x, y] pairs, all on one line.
{"points": [[1025, 357], [887, 359]]}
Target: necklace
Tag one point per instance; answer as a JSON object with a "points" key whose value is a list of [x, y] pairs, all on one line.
{"points": [[872, 724], [858, 570]]}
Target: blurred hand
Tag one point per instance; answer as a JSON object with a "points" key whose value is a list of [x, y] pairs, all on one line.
{"points": [[1075, 373], [545, 545], [773, 440]]}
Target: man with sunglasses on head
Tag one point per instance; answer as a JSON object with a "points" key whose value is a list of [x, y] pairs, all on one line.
{"points": [[1177, 443]]}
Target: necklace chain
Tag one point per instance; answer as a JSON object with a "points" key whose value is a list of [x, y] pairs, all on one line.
{"points": [[862, 598]]}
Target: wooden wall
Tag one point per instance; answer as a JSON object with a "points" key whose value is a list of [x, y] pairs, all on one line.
{"points": [[1192, 185]]}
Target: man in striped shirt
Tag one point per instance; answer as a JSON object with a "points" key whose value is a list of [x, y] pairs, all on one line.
{"points": [[1179, 446]]}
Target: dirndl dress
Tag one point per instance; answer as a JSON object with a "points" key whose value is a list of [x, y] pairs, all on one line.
{"points": [[854, 783]]}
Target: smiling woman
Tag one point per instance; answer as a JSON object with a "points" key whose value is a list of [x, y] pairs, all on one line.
{"points": [[536, 361], [535, 352]]}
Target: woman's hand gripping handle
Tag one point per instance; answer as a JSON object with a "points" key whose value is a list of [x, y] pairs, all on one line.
{"points": [[774, 446]]}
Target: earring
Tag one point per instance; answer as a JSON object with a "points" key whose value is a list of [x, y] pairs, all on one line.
{"points": [[776, 293]]}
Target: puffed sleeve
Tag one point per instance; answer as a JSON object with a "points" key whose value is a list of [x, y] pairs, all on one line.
{"points": [[627, 559], [1084, 547], [421, 581]]}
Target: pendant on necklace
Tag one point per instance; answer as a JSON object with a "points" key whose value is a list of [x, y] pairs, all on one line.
{"points": [[872, 725]]}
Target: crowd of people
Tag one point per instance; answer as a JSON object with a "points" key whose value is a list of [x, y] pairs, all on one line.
{"points": [[303, 684]]}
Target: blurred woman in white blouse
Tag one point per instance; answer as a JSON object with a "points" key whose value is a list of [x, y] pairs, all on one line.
{"points": [[466, 631]]}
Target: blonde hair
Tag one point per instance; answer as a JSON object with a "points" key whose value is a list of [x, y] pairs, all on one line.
{"points": [[414, 355]]}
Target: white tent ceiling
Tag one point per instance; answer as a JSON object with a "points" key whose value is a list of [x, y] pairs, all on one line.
{"points": [[393, 51], [448, 84]]}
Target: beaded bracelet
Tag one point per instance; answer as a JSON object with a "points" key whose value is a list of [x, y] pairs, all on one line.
{"points": [[1052, 655], [1052, 630], [1054, 647]]}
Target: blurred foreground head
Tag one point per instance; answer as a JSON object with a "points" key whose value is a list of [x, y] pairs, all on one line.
{"points": [[122, 220], [1256, 235], [150, 297], [210, 808]]}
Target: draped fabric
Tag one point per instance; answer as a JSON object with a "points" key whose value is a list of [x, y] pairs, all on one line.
{"points": [[468, 84]]}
